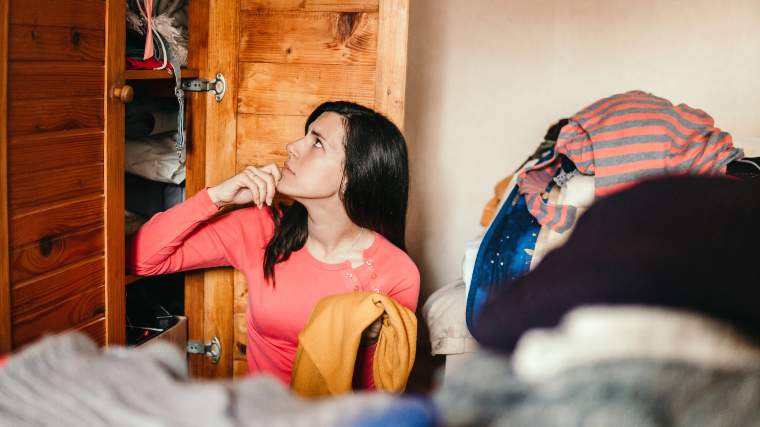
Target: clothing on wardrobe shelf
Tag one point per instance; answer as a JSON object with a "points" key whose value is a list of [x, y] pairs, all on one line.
{"points": [[155, 158], [169, 23], [133, 222], [623, 139], [329, 343], [147, 198], [147, 116]]}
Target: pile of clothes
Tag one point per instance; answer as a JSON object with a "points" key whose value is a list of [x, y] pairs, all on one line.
{"points": [[614, 143]]}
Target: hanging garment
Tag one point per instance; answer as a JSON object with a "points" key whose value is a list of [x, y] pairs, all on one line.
{"points": [[626, 138], [327, 346]]}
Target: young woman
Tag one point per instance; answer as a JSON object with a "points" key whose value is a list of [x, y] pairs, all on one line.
{"points": [[345, 231]]}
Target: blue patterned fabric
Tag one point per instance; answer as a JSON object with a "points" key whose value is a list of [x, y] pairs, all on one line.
{"points": [[506, 251]]}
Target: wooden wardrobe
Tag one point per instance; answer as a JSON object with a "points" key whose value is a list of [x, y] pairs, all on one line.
{"points": [[62, 89]]}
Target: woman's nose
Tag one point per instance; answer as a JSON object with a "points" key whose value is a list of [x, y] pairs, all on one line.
{"points": [[290, 149]]}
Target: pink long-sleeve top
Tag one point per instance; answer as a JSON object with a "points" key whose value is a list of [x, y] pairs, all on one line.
{"points": [[191, 235]]}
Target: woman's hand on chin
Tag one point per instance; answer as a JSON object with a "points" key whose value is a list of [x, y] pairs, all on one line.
{"points": [[253, 184]]}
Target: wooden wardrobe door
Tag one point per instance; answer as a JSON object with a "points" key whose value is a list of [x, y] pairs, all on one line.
{"points": [[64, 170], [281, 58]]}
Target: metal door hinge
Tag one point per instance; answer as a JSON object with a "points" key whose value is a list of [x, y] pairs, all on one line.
{"points": [[212, 350], [217, 87]]}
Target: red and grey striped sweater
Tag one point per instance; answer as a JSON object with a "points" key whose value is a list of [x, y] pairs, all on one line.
{"points": [[623, 139]]}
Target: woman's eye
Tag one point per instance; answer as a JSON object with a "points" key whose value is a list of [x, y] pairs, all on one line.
{"points": [[318, 144]]}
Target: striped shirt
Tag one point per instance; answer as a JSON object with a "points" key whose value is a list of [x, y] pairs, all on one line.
{"points": [[623, 139]]}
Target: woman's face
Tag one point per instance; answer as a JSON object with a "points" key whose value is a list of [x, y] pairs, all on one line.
{"points": [[314, 169]]}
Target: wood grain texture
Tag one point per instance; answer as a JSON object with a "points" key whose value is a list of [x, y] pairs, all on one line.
{"points": [[36, 43], [239, 369], [53, 150], [309, 38], [95, 329], [240, 323], [52, 80], [196, 168], [30, 191], [52, 115], [390, 86], [113, 188], [223, 39], [56, 220], [312, 5], [47, 254], [58, 301], [59, 13], [262, 139], [6, 333], [297, 89]]}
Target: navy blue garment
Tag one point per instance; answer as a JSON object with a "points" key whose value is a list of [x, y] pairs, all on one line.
{"points": [[506, 250], [504, 255], [689, 243]]}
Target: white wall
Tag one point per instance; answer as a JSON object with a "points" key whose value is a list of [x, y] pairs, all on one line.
{"points": [[487, 77]]}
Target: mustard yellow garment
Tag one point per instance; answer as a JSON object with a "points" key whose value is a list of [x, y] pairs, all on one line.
{"points": [[328, 345]]}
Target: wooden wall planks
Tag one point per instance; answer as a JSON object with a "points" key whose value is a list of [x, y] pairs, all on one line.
{"points": [[52, 115], [55, 165]]}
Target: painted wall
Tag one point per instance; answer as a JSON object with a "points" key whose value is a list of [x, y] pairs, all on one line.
{"points": [[487, 77]]}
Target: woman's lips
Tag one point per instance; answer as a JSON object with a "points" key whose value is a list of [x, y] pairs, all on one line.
{"points": [[287, 169]]}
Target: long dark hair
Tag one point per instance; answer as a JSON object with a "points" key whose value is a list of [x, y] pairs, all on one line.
{"points": [[376, 177]]}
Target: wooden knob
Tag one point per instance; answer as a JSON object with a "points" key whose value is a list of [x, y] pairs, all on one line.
{"points": [[125, 94]]}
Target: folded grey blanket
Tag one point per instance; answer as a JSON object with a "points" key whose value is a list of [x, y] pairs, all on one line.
{"points": [[66, 380]]}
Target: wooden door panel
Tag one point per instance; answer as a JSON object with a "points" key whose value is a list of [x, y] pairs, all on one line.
{"points": [[57, 220], [35, 190], [62, 168], [309, 38], [35, 42], [51, 80], [51, 115], [59, 13], [51, 253], [262, 139], [53, 151], [58, 301], [296, 89], [312, 5]]}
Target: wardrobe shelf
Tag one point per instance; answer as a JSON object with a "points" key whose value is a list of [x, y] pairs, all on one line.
{"points": [[158, 74]]}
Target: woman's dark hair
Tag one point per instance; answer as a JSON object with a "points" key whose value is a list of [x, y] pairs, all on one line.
{"points": [[376, 183]]}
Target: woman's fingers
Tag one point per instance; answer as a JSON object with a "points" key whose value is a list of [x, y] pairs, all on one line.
{"points": [[260, 184], [247, 182], [273, 170], [271, 185]]}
